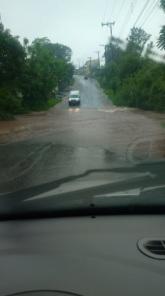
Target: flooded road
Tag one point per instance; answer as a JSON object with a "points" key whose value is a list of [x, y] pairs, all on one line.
{"points": [[69, 141]]}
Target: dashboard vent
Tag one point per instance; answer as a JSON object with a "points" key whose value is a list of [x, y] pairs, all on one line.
{"points": [[153, 247]]}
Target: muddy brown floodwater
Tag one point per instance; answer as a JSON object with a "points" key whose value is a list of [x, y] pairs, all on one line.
{"points": [[41, 147]]}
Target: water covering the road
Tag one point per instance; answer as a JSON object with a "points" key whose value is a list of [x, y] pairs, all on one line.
{"points": [[68, 141]]}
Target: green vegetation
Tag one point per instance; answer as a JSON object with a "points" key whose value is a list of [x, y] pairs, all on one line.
{"points": [[130, 77], [31, 75], [163, 124], [161, 40]]}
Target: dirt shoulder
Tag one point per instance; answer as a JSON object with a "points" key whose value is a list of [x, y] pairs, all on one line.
{"points": [[21, 127]]}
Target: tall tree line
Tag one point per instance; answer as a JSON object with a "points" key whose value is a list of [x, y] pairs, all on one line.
{"points": [[31, 75], [131, 77]]}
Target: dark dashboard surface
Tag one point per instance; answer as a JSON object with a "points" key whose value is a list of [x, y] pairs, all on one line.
{"points": [[81, 255]]}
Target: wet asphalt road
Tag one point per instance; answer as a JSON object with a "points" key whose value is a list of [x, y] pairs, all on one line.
{"points": [[92, 96], [69, 141]]}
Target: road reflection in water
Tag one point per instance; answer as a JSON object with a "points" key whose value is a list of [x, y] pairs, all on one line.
{"points": [[74, 110], [66, 141]]}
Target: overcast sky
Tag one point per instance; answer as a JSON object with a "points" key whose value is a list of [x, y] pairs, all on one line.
{"points": [[77, 23]]}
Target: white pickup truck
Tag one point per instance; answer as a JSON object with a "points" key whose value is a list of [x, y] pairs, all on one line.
{"points": [[74, 98]]}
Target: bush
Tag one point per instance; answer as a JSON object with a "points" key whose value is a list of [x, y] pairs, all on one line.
{"points": [[31, 74], [10, 103], [144, 90], [131, 78]]}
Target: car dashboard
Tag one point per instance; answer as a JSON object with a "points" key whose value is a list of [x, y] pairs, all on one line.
{"points": [[89, 256]]}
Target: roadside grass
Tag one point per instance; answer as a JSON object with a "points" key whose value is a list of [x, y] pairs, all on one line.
{"points": [[53, 102], [50, 103], [5, 116], [162, 124]]}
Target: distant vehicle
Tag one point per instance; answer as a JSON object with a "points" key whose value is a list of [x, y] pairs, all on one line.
{"points": [[74, 98], [85, 77]]}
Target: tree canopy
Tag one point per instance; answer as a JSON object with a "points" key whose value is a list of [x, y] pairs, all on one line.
{"points": [[162, 4], [31, 74], [161, 40], [12, 57], [130, 77], [137, 40]]}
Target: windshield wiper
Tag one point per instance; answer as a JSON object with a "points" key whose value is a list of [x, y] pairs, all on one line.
{"points": [[133, 192], [107, 198], [153, 174]]}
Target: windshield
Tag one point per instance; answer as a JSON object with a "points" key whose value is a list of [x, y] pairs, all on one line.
{"points": [[74, 96], [112, 53]]}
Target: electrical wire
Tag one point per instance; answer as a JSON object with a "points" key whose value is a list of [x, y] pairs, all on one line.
{"points": [[105, 10], [141, 12], [145, 14], [126, 19], [152, 4], [117, 8], [113, 7], [150, 13], [121, 8]]}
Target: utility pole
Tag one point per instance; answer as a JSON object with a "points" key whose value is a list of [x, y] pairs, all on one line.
{"points": [[105, 46], [105, 49], [79, 63], [90, 65], [98, 53], [110, 25]]}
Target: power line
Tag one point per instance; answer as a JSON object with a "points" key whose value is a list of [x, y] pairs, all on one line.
{"points": [[122, 4], [116, 9], [98, 57], [126, 19], [120, 10], [141, 12], [105, 10], [150, 13], [144, 15], [129, 14], [105, 49], [113, 7]]}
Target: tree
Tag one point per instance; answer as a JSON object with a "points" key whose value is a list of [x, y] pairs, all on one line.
{"points": [[65, 74], [131, 78], [45, 74], [60, 51], [40, 77], [161, 39], [145, 89], [129, 64], [162, 4], [31, 74], [12, 62], [113, 50], [137, 40], [12, 58], [149, 49]]}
